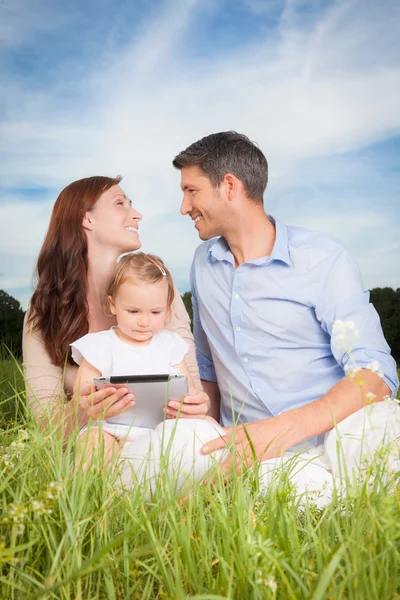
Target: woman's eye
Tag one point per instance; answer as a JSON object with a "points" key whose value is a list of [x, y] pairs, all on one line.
{"points": [[120, 203]]}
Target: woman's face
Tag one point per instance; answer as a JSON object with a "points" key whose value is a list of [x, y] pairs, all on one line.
{"points": [[113, 222]]}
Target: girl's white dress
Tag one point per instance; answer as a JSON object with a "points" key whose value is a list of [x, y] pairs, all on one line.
{"points": [[173, 444]]}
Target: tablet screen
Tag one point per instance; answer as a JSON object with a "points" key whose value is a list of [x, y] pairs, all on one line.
{"points": [[152, 393]]}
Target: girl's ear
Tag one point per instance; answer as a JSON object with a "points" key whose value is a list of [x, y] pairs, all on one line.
{"points": [[112, 305], [87, 221]]}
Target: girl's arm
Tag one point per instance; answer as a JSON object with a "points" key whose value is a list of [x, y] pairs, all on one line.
{"points": [[195, 404], [85, 375]]}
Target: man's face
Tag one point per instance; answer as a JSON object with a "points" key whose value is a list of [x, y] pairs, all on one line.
{"points": [[203, 203]]}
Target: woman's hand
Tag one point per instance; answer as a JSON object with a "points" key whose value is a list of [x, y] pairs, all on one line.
{"points": [[195, 405], [102, 404]]}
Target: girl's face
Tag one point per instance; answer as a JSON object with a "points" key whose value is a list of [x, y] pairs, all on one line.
{"points": [[141, 309], [113, 222]]}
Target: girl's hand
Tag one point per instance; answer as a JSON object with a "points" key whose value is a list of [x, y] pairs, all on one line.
{"points": [[194, 406], [102, 404]]}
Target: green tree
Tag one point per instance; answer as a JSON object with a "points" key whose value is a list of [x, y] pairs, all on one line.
{"points": [[187, 301], [387, 304], [11, 323]]}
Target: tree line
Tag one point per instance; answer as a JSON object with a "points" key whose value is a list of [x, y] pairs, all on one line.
{"points": [[386, 301]]}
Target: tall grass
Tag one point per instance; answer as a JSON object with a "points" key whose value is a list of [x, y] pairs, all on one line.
{"points": [[68, 535]]}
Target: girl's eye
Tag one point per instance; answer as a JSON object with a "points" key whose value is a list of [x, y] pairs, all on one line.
{"points": [[155, 312], [132, 312]]}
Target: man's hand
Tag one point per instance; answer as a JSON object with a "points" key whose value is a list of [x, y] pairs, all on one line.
{"points": [[254, 442], [194, 406]]}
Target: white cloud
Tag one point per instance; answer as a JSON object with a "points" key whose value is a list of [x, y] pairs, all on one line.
{"points": [[328, 87]]}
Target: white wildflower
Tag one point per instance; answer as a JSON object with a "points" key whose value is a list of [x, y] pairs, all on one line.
{"points": [[40, 508], [55, 487], [374, 367], [271, 583], [23, 434], [370, 396], [351, 370], [344, 335]]}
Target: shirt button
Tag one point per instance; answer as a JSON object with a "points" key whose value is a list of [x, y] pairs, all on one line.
{"points": [[245, 360], [236, 296], [237, 328]]}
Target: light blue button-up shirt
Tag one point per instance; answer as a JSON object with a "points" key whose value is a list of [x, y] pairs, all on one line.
{"points": [[263, 330]]}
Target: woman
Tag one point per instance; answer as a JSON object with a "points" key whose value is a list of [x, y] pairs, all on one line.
{"points": [[92, 223]]}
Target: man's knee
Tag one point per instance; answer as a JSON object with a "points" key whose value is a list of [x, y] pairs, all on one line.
{"points": [[363, 433]]}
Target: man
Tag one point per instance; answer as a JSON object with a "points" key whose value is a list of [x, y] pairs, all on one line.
{"points": [[265, 300]]}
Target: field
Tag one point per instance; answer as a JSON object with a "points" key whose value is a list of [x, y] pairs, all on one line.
{"points": [[68, 535]]}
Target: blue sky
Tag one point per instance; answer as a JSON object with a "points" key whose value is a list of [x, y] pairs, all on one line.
{"points": [[120, 87]]}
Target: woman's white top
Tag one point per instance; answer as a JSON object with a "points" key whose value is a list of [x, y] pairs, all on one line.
{"points": [[111, 356]]}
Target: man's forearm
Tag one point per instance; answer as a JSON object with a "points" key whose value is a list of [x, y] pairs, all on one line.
{"points": [[212, 390], [344, 399]]}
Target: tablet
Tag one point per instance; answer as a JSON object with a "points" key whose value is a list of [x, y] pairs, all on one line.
{"points": [[152, 393]]}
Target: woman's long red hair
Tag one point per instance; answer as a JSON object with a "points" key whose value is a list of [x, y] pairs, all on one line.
{"points": [[59, 307]]}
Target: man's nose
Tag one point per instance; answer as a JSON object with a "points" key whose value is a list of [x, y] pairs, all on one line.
{"points": [[186, 206]]}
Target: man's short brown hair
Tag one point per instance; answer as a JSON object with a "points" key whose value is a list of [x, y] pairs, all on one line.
{"points": [[228, 152]]}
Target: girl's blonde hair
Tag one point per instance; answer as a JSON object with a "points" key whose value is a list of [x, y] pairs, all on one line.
{"points": [[146, 268]]}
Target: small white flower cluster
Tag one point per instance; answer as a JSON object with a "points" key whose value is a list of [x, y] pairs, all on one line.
{"points": [[11, 455], [55, 488], [352, 371], [16, 513], [374, 367], [269, 582], [344, 335], [16, 516], [40, 508]]}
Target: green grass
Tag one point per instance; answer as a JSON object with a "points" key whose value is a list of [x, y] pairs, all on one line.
{"points": [[64, 535]]}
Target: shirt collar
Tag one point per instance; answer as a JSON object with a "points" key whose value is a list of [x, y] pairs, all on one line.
{"points": [[221, 251]]}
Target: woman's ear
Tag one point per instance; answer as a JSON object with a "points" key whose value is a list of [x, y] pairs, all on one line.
{"points": [[87, 221]]}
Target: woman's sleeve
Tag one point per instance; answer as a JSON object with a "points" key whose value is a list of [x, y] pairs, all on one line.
{"points": [[44, 381], [179, 323]]}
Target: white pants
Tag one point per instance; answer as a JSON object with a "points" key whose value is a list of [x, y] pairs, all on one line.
{"points": [[346, 453], [369, 438]]}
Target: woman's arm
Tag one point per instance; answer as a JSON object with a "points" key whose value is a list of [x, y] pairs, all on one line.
{"points": [[49, 388], [179, 323]]}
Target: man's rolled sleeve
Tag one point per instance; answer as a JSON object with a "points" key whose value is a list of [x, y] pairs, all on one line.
{"points": [[203, 352], [358, 340]]}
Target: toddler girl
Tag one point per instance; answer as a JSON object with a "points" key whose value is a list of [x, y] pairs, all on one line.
{"points": [[140, 296]]}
